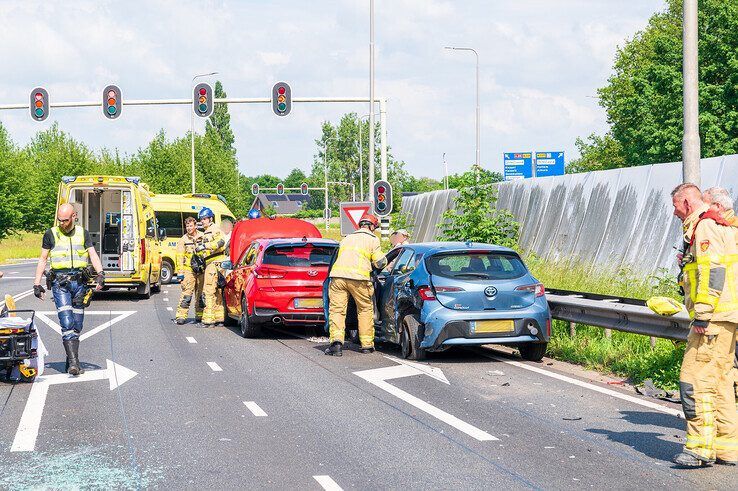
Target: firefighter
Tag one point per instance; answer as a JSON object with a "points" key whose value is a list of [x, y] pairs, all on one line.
{"points": [[399, 238], [705, 380], [720, 200], [212, 250], [351, 275], [68, 247], [192, 281]]}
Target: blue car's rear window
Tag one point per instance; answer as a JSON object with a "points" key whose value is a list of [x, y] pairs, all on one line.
{"points": [[476, 265]]}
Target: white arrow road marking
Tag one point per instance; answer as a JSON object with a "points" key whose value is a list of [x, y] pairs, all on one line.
{"points": [[327, 483], [254, 408], [378, 377], [120, 315], [25, 436]]}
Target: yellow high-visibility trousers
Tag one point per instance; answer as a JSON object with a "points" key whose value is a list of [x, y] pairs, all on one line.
{"points": [[338, 296], [708, 395], [213, 297], [191, 288]]}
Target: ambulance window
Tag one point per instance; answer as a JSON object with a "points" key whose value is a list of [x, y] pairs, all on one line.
{"points": [[151, 227], [171, 221]]}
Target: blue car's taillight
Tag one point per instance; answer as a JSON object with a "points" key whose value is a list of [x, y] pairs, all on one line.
{"points": [[536, 288]]}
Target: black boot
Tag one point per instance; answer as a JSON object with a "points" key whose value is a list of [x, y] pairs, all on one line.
{"points": [[72, 348], [335, 349]]}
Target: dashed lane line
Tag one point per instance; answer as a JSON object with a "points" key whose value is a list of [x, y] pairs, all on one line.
{"points": [[327, 483], [165, 299], [170, 309], [191, 340], [254, 408], [214, 366]]}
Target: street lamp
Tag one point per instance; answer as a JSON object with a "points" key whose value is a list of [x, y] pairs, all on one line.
{"points": [[325, 172], [192, 126], [445, 167], [477, 56], [361, 165]]}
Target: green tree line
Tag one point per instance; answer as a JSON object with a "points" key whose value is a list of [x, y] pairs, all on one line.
{"points": [[643, 96]]}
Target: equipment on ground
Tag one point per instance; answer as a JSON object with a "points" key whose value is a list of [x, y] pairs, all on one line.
{"points": [[664, 306], [18, 343]]}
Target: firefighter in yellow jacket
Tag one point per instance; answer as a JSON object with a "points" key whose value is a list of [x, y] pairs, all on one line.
{"points": [[720, 200], [192, 281], [351, 275], [710, 280], [212, 250]]}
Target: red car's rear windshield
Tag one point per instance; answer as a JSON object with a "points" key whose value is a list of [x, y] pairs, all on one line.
{"points": [[298, 255]]}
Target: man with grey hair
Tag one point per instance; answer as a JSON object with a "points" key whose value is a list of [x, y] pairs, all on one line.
{"points": [[719, 199], [705, 379]]}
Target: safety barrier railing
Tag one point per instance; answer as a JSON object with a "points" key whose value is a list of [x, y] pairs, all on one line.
{"points": [[618, 313]]}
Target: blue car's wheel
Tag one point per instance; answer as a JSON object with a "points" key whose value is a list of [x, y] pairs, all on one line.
{"points": [[410, 339], [533, 351]]}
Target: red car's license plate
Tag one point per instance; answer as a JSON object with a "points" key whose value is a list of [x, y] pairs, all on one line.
{"points": [[308, 303]]}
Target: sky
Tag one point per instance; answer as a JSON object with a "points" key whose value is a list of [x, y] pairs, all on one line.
{"points": [[541, 63]]}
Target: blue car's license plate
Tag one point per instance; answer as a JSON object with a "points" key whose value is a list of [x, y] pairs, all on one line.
{"points": [[493, 326]]}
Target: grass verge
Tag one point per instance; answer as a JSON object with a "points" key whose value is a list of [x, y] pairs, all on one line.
{"points": [[23, 245], [624, 354]]}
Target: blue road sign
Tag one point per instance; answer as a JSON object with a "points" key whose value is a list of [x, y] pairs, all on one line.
{"points": [[518, 165], [549, 164]]}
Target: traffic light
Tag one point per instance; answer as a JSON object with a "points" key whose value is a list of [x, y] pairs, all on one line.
{"points": [[39, 104], [382, 198], [202, 100], [281, 99], [254, 189], [280, 189], [112, 101], [304, 188]]}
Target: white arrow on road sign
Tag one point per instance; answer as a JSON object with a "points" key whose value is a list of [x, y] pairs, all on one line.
{"points": [[25, 436], [119, 316], [379, 376]]}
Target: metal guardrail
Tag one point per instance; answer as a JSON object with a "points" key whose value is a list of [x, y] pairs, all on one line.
{"points": [[618, 313]]}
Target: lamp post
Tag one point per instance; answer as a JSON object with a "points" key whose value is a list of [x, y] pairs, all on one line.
{"points": [[325, 172], [445, 169], [477, 114], [361, 165], [690, 75], [192, 126], [371, 100]]}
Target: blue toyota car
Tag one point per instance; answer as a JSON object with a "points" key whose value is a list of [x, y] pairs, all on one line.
{"points": [[436, 295]]}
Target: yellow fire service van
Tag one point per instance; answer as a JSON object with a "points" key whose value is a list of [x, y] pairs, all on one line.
{"points": [[118, 214], [171, 211]]}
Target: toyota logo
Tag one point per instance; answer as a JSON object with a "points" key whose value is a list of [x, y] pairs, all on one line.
{"points": [[490, 291], [312, 272]]}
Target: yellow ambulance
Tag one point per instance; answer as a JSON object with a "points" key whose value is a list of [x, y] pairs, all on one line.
{"points": [[118, 214], [171, 211]]}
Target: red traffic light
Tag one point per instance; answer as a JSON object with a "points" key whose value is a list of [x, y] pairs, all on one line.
{"points": [[39, 96], [281, 90], [203, 91], [381, 189]]}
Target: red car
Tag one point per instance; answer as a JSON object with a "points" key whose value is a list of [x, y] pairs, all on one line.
{"points": [[279, 267]]}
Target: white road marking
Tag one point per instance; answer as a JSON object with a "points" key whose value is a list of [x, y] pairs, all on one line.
{"points": [[191, 340], [165, 299], [378, 377], [25, 436], [119, 316], [18, 277], [327, 483], [170, 309], [214, 366], [165, 292], [19, 296], [254, 408], [586, 385]]}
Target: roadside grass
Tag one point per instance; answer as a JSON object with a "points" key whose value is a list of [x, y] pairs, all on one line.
{"points": [[23, 245], [624, 354]]}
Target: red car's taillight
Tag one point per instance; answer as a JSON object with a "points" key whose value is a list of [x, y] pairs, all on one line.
{"points": [[269, 274], [536, 288]]}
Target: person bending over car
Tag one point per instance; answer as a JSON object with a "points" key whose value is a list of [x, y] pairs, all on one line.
{"points": [[351, 275]]}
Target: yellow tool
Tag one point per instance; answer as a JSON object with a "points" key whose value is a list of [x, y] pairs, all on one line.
{"points": [[664, 305], [10, 303]]}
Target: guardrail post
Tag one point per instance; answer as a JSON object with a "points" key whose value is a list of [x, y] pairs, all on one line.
{"points": [[572, 329], [608, 333], [653, 343]]}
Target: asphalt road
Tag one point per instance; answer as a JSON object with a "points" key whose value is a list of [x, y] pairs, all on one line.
{"points": [[209, 409]]}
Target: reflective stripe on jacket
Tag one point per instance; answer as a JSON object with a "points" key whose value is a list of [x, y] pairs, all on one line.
{"points": [[356, 254], [185, 249], [711, 279], [214, 242], [69, 250]]}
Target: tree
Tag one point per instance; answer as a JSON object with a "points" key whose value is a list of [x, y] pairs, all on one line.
{"points": [[10, 186], [643, 97], [597, 153], [457, 181], [475, 217], [295, 178], [220, 121]]}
